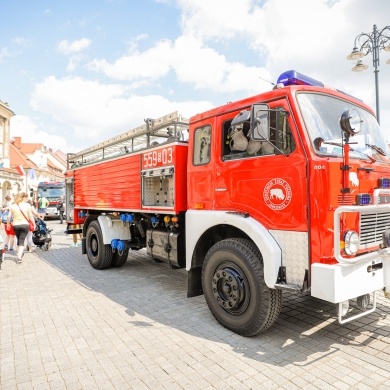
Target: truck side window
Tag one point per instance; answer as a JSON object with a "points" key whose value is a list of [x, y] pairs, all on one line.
{"points": [[237, 142], [280, 132], [202, 140]]}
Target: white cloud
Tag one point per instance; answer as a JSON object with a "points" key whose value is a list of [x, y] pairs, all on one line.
{"points": [[73, 63], [193, 63], [217, 19], [21, 41], [24, 127], [152, 64], [75, 101], [96, 111], [205, 68], [65, 47], [225, 47], [4, 52]]}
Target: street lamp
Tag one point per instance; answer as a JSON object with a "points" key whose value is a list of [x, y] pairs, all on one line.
{"points": [[371, 42]]}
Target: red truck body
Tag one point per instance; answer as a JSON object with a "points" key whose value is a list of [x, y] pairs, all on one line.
{"points": [[258, 196]]}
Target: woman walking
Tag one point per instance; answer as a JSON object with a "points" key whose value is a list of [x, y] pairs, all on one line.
{"points": [[29, 243], [21, 215]]}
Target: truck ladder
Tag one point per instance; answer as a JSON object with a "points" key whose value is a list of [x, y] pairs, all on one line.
{"points": [[170, 127]]}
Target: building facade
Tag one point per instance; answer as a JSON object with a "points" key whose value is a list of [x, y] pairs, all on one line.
{"points": [[24, 165], [11, 181]]}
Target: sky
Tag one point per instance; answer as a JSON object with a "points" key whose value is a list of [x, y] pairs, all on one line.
{"points": [[78, 72]]}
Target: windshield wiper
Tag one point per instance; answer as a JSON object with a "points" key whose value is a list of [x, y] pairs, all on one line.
{"points": [[378, 149]]}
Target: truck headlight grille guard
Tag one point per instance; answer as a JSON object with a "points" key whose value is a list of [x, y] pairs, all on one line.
{"points": [[374, 222]]}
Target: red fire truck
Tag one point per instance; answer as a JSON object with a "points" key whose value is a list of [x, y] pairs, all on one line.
{"points": [[52, 191], [288, 190]]}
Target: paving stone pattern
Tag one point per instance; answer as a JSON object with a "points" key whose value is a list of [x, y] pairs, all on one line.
{"points": [[65, 325]]}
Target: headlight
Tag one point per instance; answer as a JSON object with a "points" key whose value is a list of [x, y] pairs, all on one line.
{"points": [[351, 240]]}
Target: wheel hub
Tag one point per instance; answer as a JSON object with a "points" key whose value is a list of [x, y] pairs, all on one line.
{"points": [[94, 245], [229, 288]]}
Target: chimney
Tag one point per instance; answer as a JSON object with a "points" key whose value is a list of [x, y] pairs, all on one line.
{"points": [[18, 142]]}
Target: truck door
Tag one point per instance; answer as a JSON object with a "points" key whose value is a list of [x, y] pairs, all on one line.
{"points": [[266, 180]]}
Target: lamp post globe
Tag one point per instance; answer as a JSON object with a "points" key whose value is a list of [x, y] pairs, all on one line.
{"points": [[372, 42]]}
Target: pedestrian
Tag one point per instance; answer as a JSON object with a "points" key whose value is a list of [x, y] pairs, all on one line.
{"points": [[9, 241], [61, 208], [21, 214], [7, 203], [75, 236], [29, 243], [42, 206]]}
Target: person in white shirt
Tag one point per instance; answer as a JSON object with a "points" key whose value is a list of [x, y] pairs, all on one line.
{"points": [[21, 215]]}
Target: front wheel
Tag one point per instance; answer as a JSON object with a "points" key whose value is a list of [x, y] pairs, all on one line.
{"points": [[235, 290], [99, 255]]}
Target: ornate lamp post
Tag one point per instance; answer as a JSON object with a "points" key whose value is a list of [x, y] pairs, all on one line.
{"points": [[371, 42]]}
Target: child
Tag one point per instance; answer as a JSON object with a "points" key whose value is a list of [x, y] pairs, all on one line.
{"points": [[10, 241]]}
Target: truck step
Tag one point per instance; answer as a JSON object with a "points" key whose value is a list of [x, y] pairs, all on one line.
{"points": [[288, 287]]}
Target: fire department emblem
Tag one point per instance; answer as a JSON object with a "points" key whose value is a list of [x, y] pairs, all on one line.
{"points": [[277, 194]]}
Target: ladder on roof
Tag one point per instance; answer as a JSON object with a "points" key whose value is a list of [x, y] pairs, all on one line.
{"points": [[169, 127]]}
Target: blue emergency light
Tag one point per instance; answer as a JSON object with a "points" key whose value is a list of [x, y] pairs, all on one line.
{"points": [[292, 77]]}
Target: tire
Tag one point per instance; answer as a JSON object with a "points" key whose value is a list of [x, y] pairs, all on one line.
{"points": [[99, 255], [119, 260], [235, 290]]}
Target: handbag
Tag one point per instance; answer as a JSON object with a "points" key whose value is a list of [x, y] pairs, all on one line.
{"points": [[30, 223]]}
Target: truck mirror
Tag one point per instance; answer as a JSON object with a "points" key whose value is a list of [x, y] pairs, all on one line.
{"points": [[260, 122], [242, 117]]}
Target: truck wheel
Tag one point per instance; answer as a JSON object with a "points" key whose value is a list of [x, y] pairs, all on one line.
{"points": [[99, 255], [119, 260], [234, 287]]}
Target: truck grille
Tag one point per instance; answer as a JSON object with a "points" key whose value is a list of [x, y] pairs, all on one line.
{"points": [[372, 227], [346, 200]]}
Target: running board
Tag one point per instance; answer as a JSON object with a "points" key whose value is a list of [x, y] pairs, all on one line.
{"points": [[288, 287]]}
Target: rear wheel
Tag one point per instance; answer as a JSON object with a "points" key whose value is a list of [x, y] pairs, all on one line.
{"points": [[119, 259], [99, 255], [235, 290]]}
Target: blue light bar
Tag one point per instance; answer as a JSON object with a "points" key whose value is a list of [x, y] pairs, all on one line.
{"points": [[292, 77]]}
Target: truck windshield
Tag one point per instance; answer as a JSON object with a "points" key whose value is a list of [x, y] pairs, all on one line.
{"points": [[321, 114], [51, 192]]}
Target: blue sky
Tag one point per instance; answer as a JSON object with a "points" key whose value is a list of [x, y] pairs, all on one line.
{"points": [[78, 72]]}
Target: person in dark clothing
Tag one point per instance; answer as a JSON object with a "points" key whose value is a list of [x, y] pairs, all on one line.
{"points": [[61, 208]]}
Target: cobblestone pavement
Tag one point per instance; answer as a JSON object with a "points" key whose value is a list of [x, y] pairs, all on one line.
{"points": [[65, 325]]}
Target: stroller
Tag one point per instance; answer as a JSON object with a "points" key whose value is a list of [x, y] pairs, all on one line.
{"points": [[41, 235]]}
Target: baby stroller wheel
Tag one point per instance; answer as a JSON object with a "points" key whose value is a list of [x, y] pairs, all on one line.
{"points": [[46, 246]]}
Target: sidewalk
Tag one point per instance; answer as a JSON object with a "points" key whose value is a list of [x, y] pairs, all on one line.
{"points": [[64, 325]]}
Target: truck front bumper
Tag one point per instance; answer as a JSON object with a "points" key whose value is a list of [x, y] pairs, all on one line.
{"points": [[52, 212], [340, 282]]}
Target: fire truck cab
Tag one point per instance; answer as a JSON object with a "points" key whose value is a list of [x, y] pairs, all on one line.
{"points": [[287, 190]]}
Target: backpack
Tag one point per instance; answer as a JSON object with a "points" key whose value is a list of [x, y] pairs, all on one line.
{"points": [[4, 216]]}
